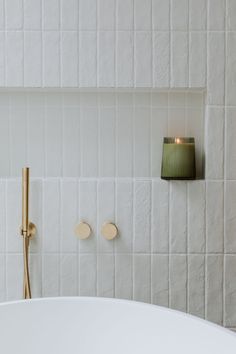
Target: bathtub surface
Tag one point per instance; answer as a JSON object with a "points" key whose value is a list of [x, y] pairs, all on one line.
{"points": [[100, 326]]}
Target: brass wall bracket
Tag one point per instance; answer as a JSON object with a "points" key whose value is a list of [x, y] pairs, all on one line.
{"points": [[31, 230]]}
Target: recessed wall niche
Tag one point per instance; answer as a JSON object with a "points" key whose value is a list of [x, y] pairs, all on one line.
{"points": [[95, 134]]}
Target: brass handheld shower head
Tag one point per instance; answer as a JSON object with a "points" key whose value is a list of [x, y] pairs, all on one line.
{"points": [[28, 229]]}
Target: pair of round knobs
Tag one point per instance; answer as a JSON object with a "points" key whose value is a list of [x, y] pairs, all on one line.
{"points": [[108, 231]]}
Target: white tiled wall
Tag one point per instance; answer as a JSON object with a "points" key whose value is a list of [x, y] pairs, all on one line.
{"points": [[90, 43], [169, 250], [177, 240]]}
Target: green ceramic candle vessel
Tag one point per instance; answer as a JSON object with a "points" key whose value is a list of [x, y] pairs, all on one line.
{"points": [[178, 159]]}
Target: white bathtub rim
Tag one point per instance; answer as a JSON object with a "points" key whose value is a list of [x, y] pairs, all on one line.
{"points": [[124, 301]]}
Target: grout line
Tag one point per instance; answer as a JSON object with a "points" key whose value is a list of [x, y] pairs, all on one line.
{"points": [[63, 139], [9, 140], [140, 105], [115, 43], [45, 138], [128, 179], [134, 45], [99, 136], [10, 135], [170, 45], [97, 233], [5, 41], [48, 253], [153, 44], [23, 44], [115, 241], [60, 45], [116, 136], [60, 240], [188, 54], [42, 241], [169, 246], [133, 233], [224, 172], [133, 137], [206, 248], [151, 241], [97, 45], [205, 171], [78, 287], [5, 248], [78, 45], [27, 130], [80, 142], [187, 248], [203, 165], [42, 38], [169, 209], [123, 30], [114, 253], [151, 138], [152, 59], [150, 151], [78, 128], [115, 139], [92, 89], [204, 253]]}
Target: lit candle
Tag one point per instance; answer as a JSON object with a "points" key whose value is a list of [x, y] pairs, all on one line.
{"points": [[177, 140], [178, 158]]}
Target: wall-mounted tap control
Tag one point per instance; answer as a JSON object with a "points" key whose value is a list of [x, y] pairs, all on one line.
{"points": [[109, 231], [83, 230]]}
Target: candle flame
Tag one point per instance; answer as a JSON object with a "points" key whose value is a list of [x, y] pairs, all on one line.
{"points": [[177, 140]]}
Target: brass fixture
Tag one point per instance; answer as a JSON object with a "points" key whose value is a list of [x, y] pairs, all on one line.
{"points": [[28, 230], [109, 231], [83, 230]]}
